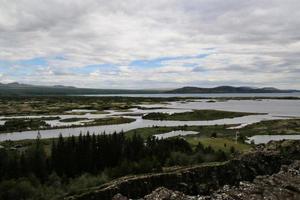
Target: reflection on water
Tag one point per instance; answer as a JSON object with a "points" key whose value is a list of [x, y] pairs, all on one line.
{"points": [[259, 139], [274, 109]]}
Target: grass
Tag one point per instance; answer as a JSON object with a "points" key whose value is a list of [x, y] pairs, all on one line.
{"points": [[73, 119], [38, 124], [196, 115], [224, 144], [220, 130], [109, 121], [273, 127], [224, 136]]}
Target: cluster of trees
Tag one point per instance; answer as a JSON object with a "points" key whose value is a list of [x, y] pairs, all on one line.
{"points": [[109, 155], [91, 153]]}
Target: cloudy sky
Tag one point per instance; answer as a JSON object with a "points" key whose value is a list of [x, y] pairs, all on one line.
{"points": [[150, 44]]}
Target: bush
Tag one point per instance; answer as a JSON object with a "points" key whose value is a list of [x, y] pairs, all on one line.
{"points": [[178, 158], [16, 190]]}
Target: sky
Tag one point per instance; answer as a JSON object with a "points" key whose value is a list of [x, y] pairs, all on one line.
{"points": [[142, 44]]}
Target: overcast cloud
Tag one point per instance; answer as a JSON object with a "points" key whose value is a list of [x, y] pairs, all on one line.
{"points": [[150, 44]]}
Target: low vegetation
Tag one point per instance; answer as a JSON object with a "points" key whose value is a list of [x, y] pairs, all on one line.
{"points": [[73, 164], [204, 131], [224, 144], [54, 105], [109, 121], [273, 127], [13, 125], [196, 115], [27, 124], [73, 119]]}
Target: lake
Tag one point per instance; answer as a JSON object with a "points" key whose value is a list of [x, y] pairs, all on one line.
{"points": [[272, 109]]}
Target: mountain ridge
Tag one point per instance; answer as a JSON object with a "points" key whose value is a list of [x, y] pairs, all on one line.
{"points": [[228, 89], [16, 88]]}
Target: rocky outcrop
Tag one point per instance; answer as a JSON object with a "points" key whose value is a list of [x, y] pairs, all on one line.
{"points": [[282, 185], [201, 179]]}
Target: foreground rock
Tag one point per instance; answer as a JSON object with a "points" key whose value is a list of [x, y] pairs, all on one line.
{"points": [[249, 171], [165, 194], [282, 185]]}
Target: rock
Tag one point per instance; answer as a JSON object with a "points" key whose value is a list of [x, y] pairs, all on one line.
{"points": [[251, 171], [283, 185], [119, 197], [162, 193]]}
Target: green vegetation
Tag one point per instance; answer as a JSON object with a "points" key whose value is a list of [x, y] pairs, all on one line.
{"points": [[204, 131], [217, 137], [196, 115], [73, 119], [13, 125], [25, 124], [54, 105], [223, 144], [73, 164], [26, 118], [109, 121], [273, 127]]}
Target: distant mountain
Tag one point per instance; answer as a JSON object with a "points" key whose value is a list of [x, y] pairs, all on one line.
{"points": [[229, 89], [18, 89]]}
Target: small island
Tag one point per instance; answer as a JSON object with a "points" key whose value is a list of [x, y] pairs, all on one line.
{"points": [[197, 115]]}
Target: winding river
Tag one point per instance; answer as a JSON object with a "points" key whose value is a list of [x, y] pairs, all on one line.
{"points": [[273, 109]]}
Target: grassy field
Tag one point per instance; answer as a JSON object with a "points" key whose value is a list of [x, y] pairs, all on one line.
{"points": [[219, 130], [223, 136], [109, 121], [273, 127], [196, 115], [223, 144], [73, 119]]}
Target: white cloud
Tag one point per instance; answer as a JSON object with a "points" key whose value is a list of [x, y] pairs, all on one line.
{"points": [[254, 42]]}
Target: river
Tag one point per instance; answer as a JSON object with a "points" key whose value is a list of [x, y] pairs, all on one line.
{"points": [[271, 109]]}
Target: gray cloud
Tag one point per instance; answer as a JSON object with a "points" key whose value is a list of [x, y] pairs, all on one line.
{"points": [[257, 40]]}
